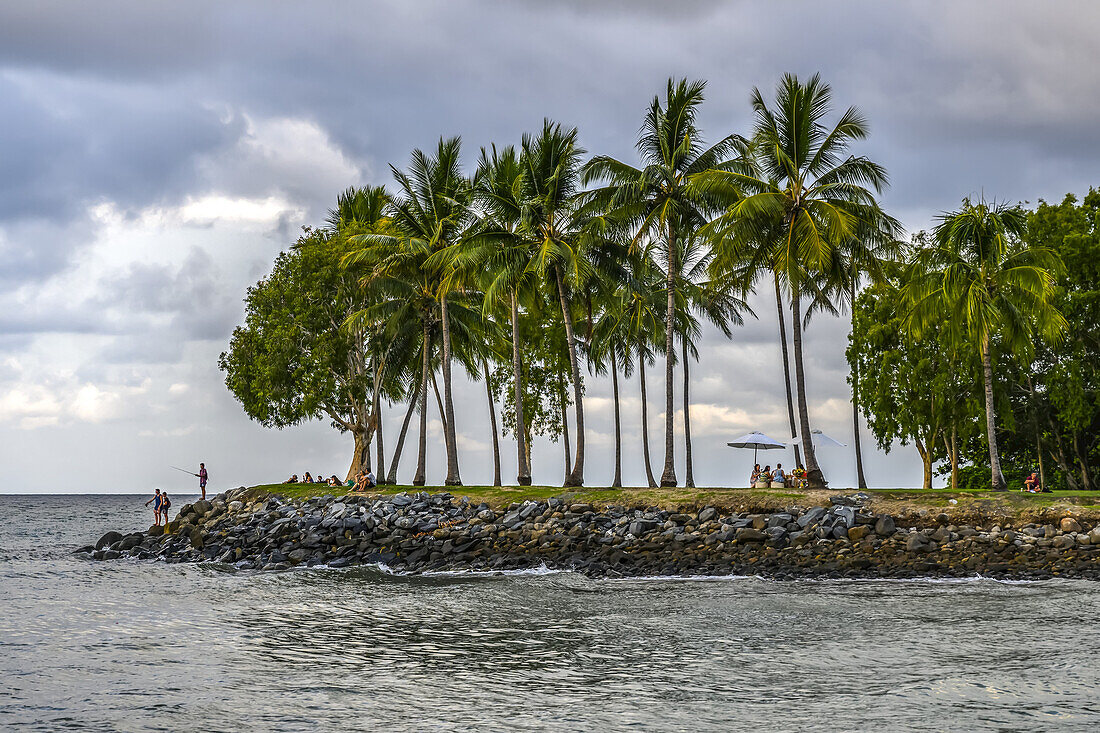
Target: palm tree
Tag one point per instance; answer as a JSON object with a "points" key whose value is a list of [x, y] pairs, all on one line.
{"points": [[979, 276], [629, 326], [506, 258], [659, 203], [431, 213], [794, 203], [719, 301], [547, 192]]}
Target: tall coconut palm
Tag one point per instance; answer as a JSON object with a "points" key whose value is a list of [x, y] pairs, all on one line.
{"points": [[505, 257], [630, 325], [657, 200], [981, 277], [719, 301], [431, 212], [548, 192], [801, 199]]}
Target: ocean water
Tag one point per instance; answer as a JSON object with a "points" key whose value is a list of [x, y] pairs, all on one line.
{"points": [[136, 646]]}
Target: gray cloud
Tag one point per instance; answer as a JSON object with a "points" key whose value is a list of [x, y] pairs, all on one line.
{"points": [[150, 106]]}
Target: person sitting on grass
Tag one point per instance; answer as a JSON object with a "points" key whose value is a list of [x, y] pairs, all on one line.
{"points": [[1031, 484], [755, 475], [292, 480], [779, 479], [308, 479], [333, 481], [798, 477]]}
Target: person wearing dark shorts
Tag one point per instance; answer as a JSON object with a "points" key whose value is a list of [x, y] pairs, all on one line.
{"points": [[202, 479], [156, 502]]}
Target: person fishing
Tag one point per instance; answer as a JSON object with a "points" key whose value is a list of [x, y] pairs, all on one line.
{"points": [[202, 476]]}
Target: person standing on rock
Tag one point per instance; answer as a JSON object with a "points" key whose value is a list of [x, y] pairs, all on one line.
{"points": [[165, 505], [156, 502], [202, 479]]}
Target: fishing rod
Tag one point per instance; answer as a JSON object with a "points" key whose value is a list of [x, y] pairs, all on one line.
{"points": [[184, 470]]}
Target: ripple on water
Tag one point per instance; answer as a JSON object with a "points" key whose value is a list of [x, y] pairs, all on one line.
{"points": [[147, 646]]}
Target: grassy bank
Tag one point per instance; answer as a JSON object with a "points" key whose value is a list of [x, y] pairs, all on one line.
{"points": [[962, 504]]}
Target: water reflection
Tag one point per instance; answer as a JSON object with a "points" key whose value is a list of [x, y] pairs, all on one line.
{"points": [[146, 646]]}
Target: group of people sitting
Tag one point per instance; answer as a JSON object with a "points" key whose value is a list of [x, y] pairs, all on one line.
{"points": [[763, 478], [361, 482], [308, 479]]}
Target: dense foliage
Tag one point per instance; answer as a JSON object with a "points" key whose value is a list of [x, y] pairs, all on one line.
{"points": [[545, 264]]}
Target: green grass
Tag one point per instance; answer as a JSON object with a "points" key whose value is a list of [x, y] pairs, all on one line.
{"points": [[748, 499]]}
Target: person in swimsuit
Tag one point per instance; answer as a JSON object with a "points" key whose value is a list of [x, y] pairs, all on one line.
{"points": [[203, 476], [156, 502], [165, 504]]}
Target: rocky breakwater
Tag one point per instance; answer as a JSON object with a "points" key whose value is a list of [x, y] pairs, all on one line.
{"points": [[421, 532]]}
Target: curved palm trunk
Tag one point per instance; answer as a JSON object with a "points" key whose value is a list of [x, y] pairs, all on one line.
{"points": [[997, 478], [392, 477], [668, 476], [786, 368], [523, 477], [379, 444], [861, 480], [618, 480], [421, 459], [814, 477], [645, 426], [689, 475], [493, 425], [453, 479], [564, 424], [576, 476]]}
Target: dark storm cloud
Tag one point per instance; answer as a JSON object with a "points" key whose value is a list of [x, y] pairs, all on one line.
{"points": [[156, 104]]}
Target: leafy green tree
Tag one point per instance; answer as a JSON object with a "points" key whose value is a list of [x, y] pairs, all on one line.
{"points": [[794, 202], [980, 277], [1059, 391], [658, 203], [293, 361], [912, 387]]}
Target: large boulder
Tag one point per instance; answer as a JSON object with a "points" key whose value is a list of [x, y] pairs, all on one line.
{"points": [[858, 532], [748, 534], [129, 542], [108, 539], [885, 526], [196, 538], [1069, 524]]}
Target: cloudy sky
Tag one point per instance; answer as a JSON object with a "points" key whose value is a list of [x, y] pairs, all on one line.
{"points": [[154, 157]]}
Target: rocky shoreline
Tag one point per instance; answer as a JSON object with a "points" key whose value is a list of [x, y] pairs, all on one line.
{"points": [[421, 533]]}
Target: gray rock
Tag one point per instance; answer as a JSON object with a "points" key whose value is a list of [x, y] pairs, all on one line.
{"points": [[298, 554], [810, 516], [707, 514], [885, 525], [748, 534], [917, 542], [108, 539], [640, 527], [779, 520], [129, 542]]}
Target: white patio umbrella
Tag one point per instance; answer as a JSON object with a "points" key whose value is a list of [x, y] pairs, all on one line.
{"points": [[822, 440], [756, 441]]}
